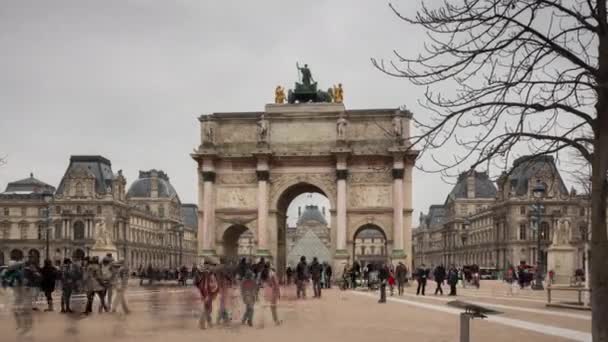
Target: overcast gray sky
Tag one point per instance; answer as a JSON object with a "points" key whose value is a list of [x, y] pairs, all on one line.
{"points": [[128, 79]]}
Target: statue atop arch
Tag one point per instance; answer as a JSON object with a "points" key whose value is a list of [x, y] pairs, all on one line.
{"points": [[306, 90]]}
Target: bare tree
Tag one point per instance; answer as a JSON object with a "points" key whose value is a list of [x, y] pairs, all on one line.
{"points": [[528, 74]]}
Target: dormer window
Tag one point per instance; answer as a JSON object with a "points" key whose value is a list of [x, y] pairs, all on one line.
{"points": [[79, 189]]}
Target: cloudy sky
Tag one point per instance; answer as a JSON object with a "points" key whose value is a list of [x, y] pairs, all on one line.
{"points": [[128, 79]]}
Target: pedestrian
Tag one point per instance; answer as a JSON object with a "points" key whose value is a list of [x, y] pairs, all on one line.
{"points": [[93, 286], [315, 274], [272, 291], [355, 273], [301, 278], [47, 284], [108, 277], [208, 288], [383, 275], [20, 276], [225, 286], [328, 274], [120, 284], [421, 275], [391, 280], [453, 280], [289, 273], [401, 277], [439, 276], [70, 276], [249, 290]]}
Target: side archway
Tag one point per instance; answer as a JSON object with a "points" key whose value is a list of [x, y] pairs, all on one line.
{"points": [[230, 243], [16, 255]]}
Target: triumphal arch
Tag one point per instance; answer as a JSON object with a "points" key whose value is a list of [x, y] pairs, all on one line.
{"points": [[251, 165]]}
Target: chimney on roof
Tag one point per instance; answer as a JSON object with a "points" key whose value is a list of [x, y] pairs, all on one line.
{"points": [[153, 184], [471, 184]]}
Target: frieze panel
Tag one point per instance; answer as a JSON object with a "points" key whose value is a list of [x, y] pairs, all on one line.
{"points": [[369, 196], [236, 178], [236, 197], [382, 176]]}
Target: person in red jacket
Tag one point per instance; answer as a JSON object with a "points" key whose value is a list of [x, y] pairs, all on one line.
{"points": [[208, 288], [391, 280]]}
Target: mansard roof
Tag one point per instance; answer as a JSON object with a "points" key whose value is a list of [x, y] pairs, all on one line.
{"points": [[29, 185], [190, 216], [142, 187], [484, 187], [525, 168], [98, 166]]}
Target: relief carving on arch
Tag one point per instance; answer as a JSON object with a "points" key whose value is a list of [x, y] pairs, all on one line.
{"points": [[236, 197], [280, 182], [236, 178], [369, 196], [382, 176]]}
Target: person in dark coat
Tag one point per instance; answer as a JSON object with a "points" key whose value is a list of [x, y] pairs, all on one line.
{"points": [[289, 273], [71, 276], [49, 277], [315, 273], [422, 273], [452, 280], [355, 274], [401, 275], [301, 277], [328, 273], [383, 274], [439, 275]]}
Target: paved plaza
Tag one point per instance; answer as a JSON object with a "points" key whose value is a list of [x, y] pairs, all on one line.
{"points": [[163, 313]]}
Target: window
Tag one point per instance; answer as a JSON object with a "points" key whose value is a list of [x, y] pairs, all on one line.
{"points": [[161, 211], [78, 209], [544, 231], [23, 230], [79, 189], [522, 231], [98, 210], [7, 212], [522, 210], [23, 211], [581, 211], [78, 230], [58, 232], [565, 210], [5, 229], [41, 231], [58, 209]]}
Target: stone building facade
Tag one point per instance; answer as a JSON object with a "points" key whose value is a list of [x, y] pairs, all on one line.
{"points": [[145, 223], [495, 226]]}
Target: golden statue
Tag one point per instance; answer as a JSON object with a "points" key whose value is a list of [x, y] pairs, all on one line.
{"points": [[279, 95], [338, 93]]}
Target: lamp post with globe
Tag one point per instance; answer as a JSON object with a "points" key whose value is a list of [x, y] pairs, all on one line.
{"points": [[537, 209]]}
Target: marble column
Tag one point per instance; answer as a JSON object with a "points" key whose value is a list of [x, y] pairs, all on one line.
{"points": [[262, 234], [206, 236], [397, 211], [341, 175]]}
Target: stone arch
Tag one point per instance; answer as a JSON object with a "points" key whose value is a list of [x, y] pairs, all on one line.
{"points": [[230, 242], [282, 185], [16, 255]]}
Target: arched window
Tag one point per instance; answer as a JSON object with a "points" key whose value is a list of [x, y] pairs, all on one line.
{"points": [[79, 230], [544, 231], [41, 231], [58, 232]]}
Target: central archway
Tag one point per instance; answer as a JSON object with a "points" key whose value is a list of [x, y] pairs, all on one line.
{"points": [[237, 242], [285, 199]]}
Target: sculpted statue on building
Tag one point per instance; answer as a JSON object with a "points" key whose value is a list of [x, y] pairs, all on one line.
{"points": [[341, 127], [279, 95], [262, 130], [397, 127]]}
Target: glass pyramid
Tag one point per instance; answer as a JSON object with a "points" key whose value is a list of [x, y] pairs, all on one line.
{"points": [[309, 245]]}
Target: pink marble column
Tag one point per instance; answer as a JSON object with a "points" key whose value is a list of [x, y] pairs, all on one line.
{"points": [[262, 248], [341, 212], [206, 236], [397, 209]]}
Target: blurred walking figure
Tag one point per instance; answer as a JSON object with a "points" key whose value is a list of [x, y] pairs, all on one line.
{"points": [[120, 283], [208, 288], [108, 275], [21, 277], [439, 275], [315, 273], [452, 280], [93, 286], [272, 291], [301, 277], [391, 280], [249, 289], [225, 294], [328, 273], [70, 276], [401, 277], [421, 274], [383, 278], [49, 277]]}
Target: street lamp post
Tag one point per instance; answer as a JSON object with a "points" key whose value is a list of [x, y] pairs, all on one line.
{"points": [[538, 192], [47, 221]]}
